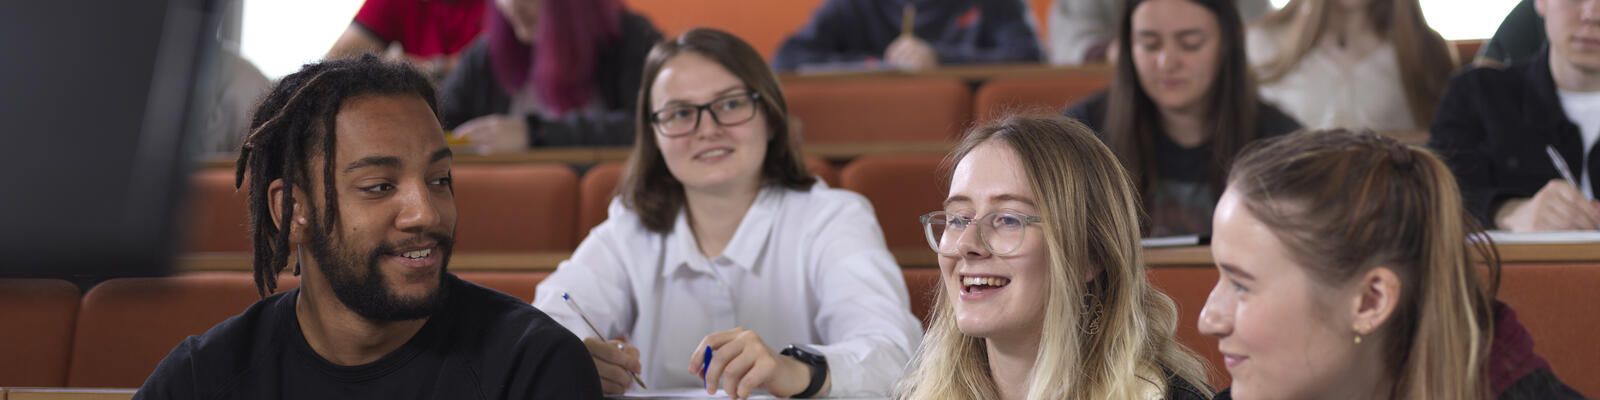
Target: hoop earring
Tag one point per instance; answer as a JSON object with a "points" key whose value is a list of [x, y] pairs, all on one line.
{"points": [[1090, 312]]}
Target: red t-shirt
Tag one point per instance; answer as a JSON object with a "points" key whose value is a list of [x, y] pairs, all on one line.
{"points": [[424, 28]]}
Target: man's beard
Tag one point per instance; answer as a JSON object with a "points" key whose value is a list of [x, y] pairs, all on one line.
{"points": [[370, 296]]}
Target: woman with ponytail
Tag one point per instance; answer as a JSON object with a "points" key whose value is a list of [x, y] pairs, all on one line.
{"points": [[1347, 272], [549, 73]]}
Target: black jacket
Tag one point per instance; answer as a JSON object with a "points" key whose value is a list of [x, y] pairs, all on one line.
{"points": [[472, 91], [1492, 128], [960, 31]]}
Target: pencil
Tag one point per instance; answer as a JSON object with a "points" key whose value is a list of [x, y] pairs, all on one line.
{"points": [[592, 328]]}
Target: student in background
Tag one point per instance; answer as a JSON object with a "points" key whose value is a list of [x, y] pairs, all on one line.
{"points": [[549, 73], [349, 175], [721, 239], [1520, 36], [1346, 272], [1043, 292], [1495, 126], [846, 34], [1371, 64], [1181, 105], [1081, 30], [431, 33]]}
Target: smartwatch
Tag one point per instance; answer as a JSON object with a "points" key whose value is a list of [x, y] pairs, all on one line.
{"points": [[819, 367]]}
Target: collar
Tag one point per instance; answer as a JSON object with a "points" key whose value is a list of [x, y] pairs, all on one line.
{"points": [[749, 240]]}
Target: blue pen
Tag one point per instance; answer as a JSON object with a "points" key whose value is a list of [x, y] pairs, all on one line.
{"points": [[586, 321], [704, 364]]}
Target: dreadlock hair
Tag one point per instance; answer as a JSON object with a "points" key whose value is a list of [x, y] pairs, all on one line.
{"points": [[293, 121]]}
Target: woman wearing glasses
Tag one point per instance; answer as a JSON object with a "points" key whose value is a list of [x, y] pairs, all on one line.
{"points": [[1044, 293], [721, 240]]}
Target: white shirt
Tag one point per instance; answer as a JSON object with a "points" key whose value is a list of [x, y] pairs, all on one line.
{"points": [[1583, 108], [804, 267], [1322, 94]]}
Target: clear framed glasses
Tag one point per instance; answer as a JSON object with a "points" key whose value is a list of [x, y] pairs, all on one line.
{"points": [[1000, 231], [730, 110]]}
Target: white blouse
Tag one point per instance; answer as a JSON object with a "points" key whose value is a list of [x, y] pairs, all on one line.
{"points": [[1321, 94], [804, 267]]}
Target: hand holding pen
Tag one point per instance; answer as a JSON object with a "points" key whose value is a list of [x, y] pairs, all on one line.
{"points": [[1560, 205], [616, 362]]}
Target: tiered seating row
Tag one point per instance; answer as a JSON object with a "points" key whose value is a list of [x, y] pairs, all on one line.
{"points": [[122, 328]]}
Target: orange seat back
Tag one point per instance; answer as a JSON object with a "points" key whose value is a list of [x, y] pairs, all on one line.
{"points": [[762, 24], [127, 325], [1048, 95], [216, 216], [599, 186], [1188, 287], [884, 110], [515, 208], [901, 188], [38, 315], [923, 285], [520, 284], [1556, 302]]}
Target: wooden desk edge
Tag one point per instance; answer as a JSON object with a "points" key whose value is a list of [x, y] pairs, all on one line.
{"points": [[65, 393], [906, 257]]}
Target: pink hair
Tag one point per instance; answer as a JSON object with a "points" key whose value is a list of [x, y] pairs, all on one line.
{"points": [[572, 35]]}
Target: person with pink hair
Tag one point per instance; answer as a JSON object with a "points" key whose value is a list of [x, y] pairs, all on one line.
{"points": [[549, 73]]}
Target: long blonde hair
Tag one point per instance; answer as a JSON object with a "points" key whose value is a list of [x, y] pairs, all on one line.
{"points": [[1344, 203], [1090, 215], [1425, 59]]}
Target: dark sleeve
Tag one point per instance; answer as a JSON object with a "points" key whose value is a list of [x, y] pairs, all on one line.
{"points": [[823, 39], [1011, 38], [1541, 384], [554, 365], [1091, 111], [379, 18], [1274, 122], [174, 378], [471, 90], [1458, 135], [1519, 36], [620, 85]]}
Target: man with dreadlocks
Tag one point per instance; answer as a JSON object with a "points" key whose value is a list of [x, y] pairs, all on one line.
{"points": [[348, 172]]}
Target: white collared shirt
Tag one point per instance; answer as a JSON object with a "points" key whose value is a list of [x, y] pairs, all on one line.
{"points": [[804, 267]]}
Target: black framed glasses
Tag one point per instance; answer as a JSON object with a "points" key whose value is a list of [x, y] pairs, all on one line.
{"points": [[1001, 231], [730, 110]]}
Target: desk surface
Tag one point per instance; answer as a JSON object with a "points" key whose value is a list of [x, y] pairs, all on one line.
{"points": [[596, 155], [911, 257], [65, 394], [969, 73]]}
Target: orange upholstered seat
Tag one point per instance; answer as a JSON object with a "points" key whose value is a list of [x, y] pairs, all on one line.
{"points": [[1035, 94], [127, 325], [1189, 287], [1557, 302], [901, 188], [888, 110], [599, 186], [520, 284], [216, 215], [923, 286], [527, 207], [39, 315], [763, 24]]}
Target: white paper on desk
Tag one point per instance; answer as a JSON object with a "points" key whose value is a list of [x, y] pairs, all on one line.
{"points": [[681, 394], [1170, 241], [1504, 237]]}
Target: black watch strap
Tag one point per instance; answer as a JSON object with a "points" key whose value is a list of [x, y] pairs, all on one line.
{"points": [[819, 367]]}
